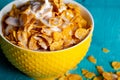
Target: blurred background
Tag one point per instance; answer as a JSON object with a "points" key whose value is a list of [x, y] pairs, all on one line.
{"points": [[106, 14]]}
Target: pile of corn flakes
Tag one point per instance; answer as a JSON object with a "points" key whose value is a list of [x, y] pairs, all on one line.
{"points": [[45, 25], [103, 75]]}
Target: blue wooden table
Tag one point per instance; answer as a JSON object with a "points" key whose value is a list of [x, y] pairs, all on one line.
{"points": [[106, 15]]}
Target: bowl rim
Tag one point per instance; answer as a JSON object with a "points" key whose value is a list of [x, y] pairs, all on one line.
{"points": [[62, 50]]}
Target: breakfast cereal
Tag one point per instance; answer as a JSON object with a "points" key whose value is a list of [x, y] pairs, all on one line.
{"points": [[116, 65], [92, 59], [109, 76], [87, 74], [100, 69], [105, 50], [47, 25]]}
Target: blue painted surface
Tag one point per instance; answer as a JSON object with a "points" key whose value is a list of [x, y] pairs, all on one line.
{"points": [[106, 14]]}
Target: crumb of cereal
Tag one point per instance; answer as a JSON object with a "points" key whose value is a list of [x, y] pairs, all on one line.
{"points": [[105, 50], [92, 59], [84, 71], [107, 75], [100, 69], [116, 65], [87, 74]]}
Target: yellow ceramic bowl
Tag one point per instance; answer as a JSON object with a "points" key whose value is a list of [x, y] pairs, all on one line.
{"points": [[39, 64]]}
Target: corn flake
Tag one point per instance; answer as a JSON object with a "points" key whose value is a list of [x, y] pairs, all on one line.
{"points": [[56, 45], [81, 33], [32, 44], [73, 77], [67, 32], [109, 76], [98, 78], [57, 36], [92, 59], [105, 50], [84, 71], [116, 65], [46, 38], [82, 23], [14, 11], [75, 8], [88, 74], [22, 37], [100, 69]]}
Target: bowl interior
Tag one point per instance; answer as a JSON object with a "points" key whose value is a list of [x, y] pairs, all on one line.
{"points": [[84, 12]]}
